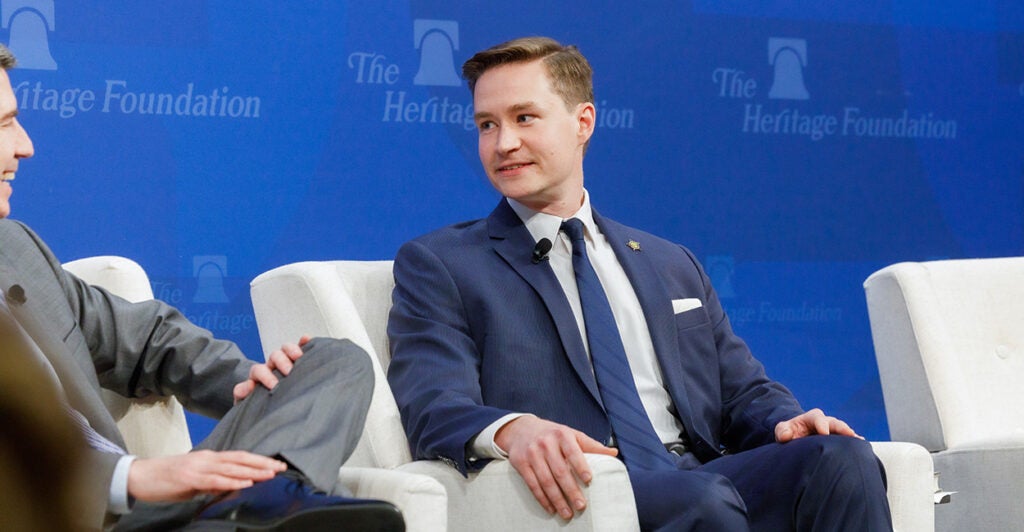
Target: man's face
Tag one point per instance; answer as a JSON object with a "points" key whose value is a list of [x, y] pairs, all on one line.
{"points": [[14, 142], [530, 145]]}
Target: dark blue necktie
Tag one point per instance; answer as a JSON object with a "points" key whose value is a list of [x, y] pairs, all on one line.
{"points": [[638, 443]]}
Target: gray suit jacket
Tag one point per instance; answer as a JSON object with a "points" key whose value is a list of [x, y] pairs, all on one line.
{"points": [[94, 339]]}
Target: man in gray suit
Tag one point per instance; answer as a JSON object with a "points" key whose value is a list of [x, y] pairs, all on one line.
{"points": [[286, 425], [27, 501]]}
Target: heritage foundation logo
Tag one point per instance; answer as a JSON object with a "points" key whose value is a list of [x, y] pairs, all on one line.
{"points": [[211, 307], [209, 271], [789, 57], [436, 42], [31, 22], [722, 268], [789, 60]]}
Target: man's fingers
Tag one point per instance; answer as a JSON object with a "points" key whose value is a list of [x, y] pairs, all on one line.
{"points": [[841, 427], [578, 463], [550, 458], [245, 458], [576, 467], [243, 389], [212, 484], [590, 445], [564, 474], [822, 425], [282, 361], [783, 432], [236, 472], [180, 477], [262, 374], [526, 471], [292, 350], [553, 491], [812, 422], [541, 463], [549, 477]]}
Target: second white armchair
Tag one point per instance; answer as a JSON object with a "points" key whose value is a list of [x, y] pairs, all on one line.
{"points": [[351, 299]]}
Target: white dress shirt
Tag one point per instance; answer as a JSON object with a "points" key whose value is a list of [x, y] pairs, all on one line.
{"points": [[629, 316]]}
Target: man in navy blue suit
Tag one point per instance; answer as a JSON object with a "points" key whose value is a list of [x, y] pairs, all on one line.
{"points": [[504, 346]]}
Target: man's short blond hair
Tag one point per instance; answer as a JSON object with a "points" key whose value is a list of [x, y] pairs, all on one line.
{"points": [[570, 73]]}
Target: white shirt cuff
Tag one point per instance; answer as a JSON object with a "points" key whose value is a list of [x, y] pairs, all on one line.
{"points": [[119, 500], [484, 445]]}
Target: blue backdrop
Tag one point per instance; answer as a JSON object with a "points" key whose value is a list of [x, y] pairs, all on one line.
{"points": [[795, 146]]}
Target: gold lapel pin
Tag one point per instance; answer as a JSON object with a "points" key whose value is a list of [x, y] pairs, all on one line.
{"points": [[633, 244]]}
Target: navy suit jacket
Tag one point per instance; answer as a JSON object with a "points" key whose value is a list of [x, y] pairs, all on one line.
{"points": [[477, 331]]}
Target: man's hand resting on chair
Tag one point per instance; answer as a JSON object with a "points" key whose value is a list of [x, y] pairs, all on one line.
{"points": [[550, 458]]}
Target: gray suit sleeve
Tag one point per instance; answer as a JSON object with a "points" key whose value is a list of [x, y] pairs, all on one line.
{"points": [[140, 349]]}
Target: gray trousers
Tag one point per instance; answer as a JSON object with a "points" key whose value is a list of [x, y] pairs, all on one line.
{"points": [[312, 419]]}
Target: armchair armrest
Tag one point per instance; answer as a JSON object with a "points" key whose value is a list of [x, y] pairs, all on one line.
{"points": [[911, 485], [421, 499], [496, 498]]}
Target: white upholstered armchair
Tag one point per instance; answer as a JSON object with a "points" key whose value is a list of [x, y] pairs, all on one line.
{"points": [[949, 338], [351, 299], [153, 426], [157, 427]]}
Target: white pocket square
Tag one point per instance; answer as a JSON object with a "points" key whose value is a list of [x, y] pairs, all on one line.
{"points": [[682, 305]]}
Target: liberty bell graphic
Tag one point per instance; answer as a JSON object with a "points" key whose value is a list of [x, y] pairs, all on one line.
{"points": [[30, 22], [209, 271], [789, 57], [436, 41]]}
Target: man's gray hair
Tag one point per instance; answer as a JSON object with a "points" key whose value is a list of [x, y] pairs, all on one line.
{"points": [[7, 60]]}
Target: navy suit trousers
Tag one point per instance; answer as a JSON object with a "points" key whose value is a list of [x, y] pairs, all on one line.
{"points": [[817, 483]]}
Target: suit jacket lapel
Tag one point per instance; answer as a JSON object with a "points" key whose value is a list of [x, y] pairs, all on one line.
{"points": [[513, 242], [657, 308]]}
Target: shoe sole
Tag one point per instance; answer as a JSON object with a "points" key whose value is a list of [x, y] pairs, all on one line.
{"points": [[358, 518]]}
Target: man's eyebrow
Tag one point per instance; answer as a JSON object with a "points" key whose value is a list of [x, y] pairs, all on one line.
{"points": [[523, 106], [514, 108]]}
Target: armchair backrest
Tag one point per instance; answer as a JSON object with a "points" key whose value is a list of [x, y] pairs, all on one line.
{"points": [[339, 299], [949, 339], [153, 426]]}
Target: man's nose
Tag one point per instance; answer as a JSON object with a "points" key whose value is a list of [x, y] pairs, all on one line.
{"points": [[23, 148], [508, 140]]}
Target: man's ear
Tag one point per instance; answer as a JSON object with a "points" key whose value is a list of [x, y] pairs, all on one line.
{"points": [[586, 117]]}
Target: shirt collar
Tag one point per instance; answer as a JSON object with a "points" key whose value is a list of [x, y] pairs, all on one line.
{"points": [[543, 225]]}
